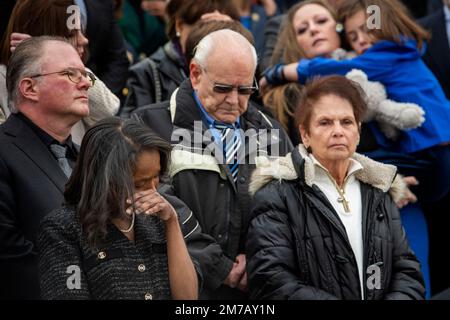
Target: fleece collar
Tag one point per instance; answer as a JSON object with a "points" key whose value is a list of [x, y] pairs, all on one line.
{"points": [[376, 174]]}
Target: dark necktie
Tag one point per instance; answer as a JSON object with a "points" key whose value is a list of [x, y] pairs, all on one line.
{"points": [[231, 144], [59, 152]]}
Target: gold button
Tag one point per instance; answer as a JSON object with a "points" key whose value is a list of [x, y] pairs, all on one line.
{"points": [[141, 268], [148, 296], [101, 255]]}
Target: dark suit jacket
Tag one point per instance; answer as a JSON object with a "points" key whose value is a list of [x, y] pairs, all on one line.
{"points": [[31, 185], [107, 54], [437, 56]]}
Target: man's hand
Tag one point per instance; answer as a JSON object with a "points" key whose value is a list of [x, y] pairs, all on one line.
{"points": [[238, 275], [409, 197], [17, 38]]}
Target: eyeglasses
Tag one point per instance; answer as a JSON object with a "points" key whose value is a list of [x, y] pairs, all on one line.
{"points": [[74, 74], [227, 88]]}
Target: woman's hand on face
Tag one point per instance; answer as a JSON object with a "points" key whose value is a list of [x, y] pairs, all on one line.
{"points": [[150, 202], [17, 38]]}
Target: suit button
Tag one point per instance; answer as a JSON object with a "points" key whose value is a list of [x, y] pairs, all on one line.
{"points": [[101, 255], [380, 216], [148, 296], [219, 236], [242, 179], [141, 268]]}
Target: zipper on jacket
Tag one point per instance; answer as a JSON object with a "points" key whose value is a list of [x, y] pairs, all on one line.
{"points": [[342, 232], [368, 236]]}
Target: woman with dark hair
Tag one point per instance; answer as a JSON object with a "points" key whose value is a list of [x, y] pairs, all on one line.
{"points": [[324, 224], [119, 235], [154, 79]]}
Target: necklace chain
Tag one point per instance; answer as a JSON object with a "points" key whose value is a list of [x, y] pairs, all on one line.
{"points": [[131, 226], [341, 191]]}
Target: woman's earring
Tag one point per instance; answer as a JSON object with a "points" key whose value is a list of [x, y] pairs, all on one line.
{"points": [[339, 27], [177, 34]]}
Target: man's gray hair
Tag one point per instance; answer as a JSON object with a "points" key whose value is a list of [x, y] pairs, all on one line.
{"points": [[220, 39], [25, 61]]}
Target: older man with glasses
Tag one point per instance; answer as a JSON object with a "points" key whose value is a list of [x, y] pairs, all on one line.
{"points": [[48, 85], [217, 132]]}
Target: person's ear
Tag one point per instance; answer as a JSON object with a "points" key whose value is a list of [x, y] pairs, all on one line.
{"points": [[195, 73], [29, 89], [178, 27], [305, 136]]}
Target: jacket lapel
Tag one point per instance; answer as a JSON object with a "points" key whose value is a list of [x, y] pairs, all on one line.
{"points": [[30, 144]]}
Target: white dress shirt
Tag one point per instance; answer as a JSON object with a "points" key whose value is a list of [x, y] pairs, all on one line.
{"points": [[352, 220]]}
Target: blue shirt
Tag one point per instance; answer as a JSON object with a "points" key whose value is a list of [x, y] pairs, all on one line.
{"points": [[406, 79], [210, 122]]}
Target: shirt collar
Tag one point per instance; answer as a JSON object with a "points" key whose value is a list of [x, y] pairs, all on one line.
{"points": [[44, 136], [354, 165]]}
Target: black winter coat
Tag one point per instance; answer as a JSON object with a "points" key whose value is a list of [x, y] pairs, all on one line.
{"points": [[143, 81], [297, 247], [220, 207]]}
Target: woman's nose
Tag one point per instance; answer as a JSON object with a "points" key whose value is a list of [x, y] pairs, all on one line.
{"points": [[338, 130]]}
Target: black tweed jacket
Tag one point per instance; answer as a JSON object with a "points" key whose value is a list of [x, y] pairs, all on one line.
{"points": [[120, 269]]}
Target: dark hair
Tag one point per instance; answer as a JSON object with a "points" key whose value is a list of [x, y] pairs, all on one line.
{"points": [[37, 18], [202, 28], [103, 176], [190, 11], [25, 61], [396, 21], [319, 87]]}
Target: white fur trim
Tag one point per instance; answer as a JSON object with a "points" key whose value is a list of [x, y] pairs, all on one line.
{"points": [[185, 160], [374, 173], [173, 104]]}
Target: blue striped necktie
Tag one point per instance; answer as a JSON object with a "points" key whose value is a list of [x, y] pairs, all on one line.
{"points": [[231, 144]]}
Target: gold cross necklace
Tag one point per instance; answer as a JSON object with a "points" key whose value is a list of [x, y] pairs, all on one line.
{"points": [[341, 199]]}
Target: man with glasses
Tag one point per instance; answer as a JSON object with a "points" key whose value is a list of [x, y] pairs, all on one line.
{"points": [[217, 132], [48, 86]]}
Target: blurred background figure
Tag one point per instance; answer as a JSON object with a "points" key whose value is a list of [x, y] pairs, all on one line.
{"points": [[142, 24], [254, 15], [437, 54], [107, 54], [155, 78]]}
